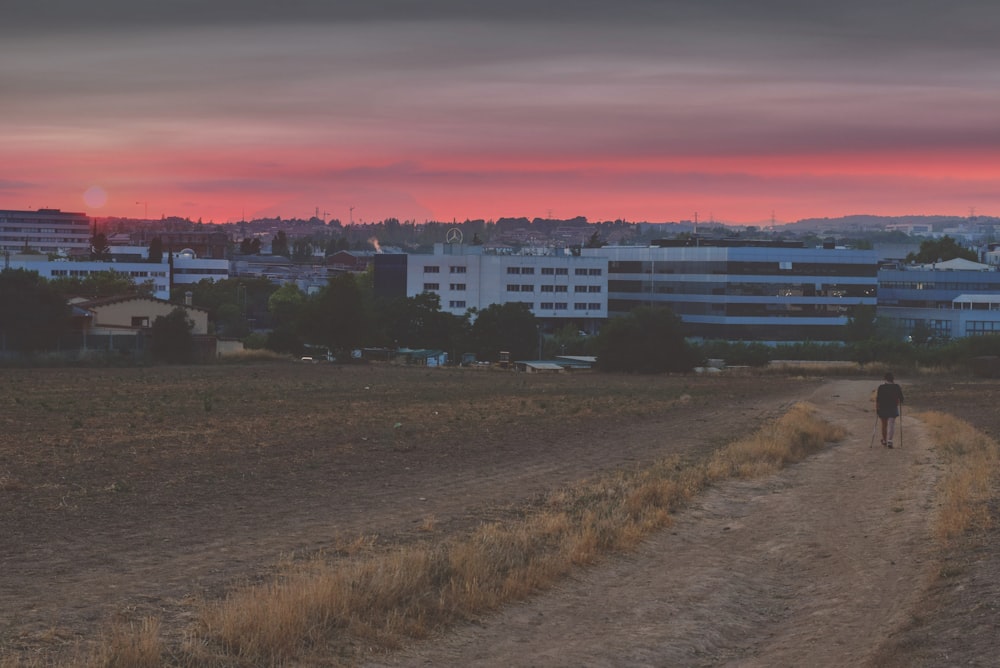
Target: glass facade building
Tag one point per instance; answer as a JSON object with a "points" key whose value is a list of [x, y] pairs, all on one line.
{"points": [[726, 289]]}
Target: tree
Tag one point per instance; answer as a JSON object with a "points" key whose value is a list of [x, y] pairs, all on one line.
{"points": [[250, 246], [173, 342], [594, 241], [336, 317], [286, 307], [156, 250], [96, 285], [861, 323], [419, 322], [99, 245], [279, 245], [647, 340], [940, 250], [302, 249], [33, 315], [510, 327]]}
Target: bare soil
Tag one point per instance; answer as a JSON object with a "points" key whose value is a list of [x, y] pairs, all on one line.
{"points": [[129, 493]]}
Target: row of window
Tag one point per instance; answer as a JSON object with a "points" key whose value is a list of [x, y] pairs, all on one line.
{"points": [[88, 272], [522, 271], [459, 287], [738, 289], [545, 306], [961, 286], [454, 269], [741, 268], [516, 287]]}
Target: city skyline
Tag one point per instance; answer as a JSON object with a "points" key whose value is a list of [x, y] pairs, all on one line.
{"points": [[636, 110]]}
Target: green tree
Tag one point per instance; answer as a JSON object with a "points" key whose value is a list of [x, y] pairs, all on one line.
{"points": [[940, 250], [647, 340], [302, 249], [96, 285], [99, 248], [33, 314], [336, 316], [419, 322], [156, 250], [286, 306], [172, 341], [234, 304], [861, 323], [279, 245], [510, 327]]}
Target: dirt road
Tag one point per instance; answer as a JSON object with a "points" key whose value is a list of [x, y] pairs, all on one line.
{"points": [[816, 566]]}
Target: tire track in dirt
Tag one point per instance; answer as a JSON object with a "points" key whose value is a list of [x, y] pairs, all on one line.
{"points": [[815, 566]]}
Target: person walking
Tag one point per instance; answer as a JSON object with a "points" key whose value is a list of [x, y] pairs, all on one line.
{"points": [[888, 399]]}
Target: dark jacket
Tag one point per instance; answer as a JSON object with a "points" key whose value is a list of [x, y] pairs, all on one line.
{"points": [[887, 400]]}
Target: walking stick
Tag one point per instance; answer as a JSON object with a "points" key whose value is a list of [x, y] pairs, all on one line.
{"points": [[901, 424], [875, 429]]}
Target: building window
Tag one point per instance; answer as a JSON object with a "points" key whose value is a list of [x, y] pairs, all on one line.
{"points": [[562, 271], [457, 286], [431, 286], [457, 270], [513, 270], [595, 272], [561, 306], [546, 306], [140, 321], [580, 272], [579, 288], [513, 287], [456, 304], [527, 270], [562, 288], [593, 288], [595, 306], [548, 271], [432, 269], [548, 288], [580, 306], [527, 288]]}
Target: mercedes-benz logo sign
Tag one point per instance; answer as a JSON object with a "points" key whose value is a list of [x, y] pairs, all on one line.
{"points": [[454, 236]]}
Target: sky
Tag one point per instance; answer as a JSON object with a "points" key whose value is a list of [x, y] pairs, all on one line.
{"points": [[437, 110]]}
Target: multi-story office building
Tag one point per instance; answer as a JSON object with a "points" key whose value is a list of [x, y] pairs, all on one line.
{"points": [[951, 299], [157, 275], [743, 291], [557, 286], [48, 231]]}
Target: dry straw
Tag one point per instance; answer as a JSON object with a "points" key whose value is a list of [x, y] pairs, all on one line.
{"points": [[325, 611], [972, 468]]}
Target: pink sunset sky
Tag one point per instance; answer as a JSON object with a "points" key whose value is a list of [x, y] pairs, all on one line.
{"points": [[647, 111]]}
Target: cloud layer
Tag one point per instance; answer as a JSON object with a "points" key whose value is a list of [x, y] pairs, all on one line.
{"points": [[441, 110]]}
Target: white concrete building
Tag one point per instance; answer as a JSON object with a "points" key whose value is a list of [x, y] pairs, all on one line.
{"points": [[140, 272], [557, 286]]}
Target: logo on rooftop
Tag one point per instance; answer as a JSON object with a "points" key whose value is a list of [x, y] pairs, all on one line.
{"points": [[454, 236]]}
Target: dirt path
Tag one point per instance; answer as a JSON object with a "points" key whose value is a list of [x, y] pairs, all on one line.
{"points": [[813, 567]]}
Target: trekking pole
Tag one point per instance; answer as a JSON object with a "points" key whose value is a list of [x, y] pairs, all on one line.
{"points": [[900, 424], [875, 429]]}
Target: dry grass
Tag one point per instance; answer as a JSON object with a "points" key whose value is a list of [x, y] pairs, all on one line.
{"points": [[790, 439], [378, 598], [972, 470]]}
